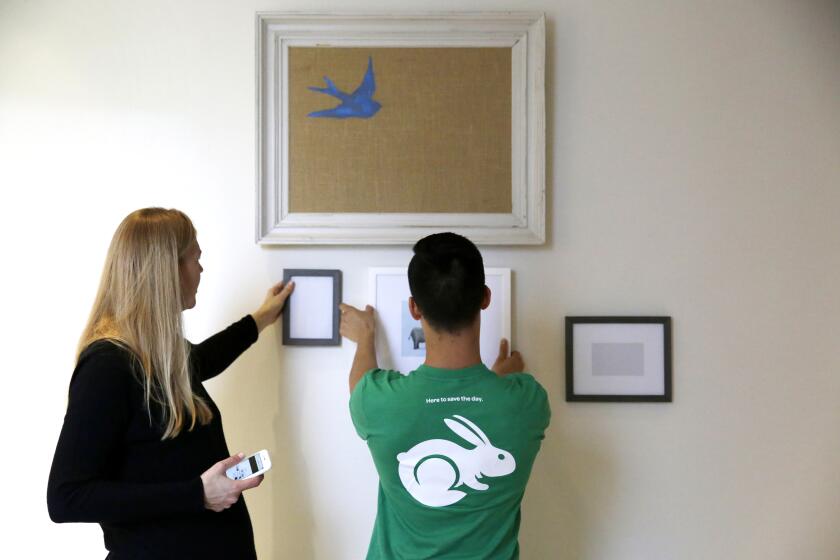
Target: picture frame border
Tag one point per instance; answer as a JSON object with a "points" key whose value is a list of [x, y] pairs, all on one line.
{"points": [[665, 321], [524, 32], [335, 340]]}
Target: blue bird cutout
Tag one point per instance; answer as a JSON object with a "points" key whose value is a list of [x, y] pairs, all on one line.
{"points": [[360, 104]]}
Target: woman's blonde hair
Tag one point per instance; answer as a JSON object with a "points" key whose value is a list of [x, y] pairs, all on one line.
{"points": [[138, 306]]}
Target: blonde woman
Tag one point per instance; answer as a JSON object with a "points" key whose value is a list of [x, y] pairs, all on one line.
{"points": [[142, 451]]}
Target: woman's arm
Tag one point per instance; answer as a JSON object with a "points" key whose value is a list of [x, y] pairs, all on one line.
{"points": [[214, 355], [82, 485]]}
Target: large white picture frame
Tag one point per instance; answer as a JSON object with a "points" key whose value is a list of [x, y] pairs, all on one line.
{"points": [[523, 33], [395, 347]]}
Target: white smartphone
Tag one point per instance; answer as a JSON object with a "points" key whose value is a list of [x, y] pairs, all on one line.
{"points": [[250, 466]]}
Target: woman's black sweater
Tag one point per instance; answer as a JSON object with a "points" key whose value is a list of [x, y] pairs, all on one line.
{"points": [[111, 466]]}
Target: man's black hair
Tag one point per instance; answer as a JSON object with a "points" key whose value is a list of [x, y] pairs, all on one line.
{"points": [[446, 278]]}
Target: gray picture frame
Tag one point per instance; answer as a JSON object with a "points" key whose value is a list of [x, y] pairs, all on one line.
{"points": [[335, 339]]}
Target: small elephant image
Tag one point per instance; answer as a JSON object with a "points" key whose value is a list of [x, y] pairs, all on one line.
{"points": [[417, 336]]}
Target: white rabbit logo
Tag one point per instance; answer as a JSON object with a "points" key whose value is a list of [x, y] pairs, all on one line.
{"points": [[432, 469]]}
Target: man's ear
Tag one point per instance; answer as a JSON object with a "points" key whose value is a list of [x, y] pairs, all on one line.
{"points": [[415, 312], [485, 300]]}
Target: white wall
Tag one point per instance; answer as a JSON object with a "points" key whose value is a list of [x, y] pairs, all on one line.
{"points": [[693, 171]]}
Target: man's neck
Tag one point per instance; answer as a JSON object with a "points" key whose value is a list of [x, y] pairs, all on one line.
{"points": [[453, 350]]}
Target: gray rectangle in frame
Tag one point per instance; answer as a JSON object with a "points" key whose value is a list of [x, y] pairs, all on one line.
{"points": [[618, 358]]}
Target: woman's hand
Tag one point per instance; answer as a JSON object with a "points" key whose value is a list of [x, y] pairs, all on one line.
{"points": [[505, 363], [272, 307], [220, 492]]}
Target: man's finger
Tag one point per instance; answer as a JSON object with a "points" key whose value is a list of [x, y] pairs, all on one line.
{"points": [[503, 348], [368, 309], [518, 357]]}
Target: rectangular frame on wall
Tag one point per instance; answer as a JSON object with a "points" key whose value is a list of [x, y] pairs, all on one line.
{"points": [[522, 33], [314, 313], [618, 359], [389, 293]]}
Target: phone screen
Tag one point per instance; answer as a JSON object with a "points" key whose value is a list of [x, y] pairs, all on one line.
{"points": [[245, 468]]}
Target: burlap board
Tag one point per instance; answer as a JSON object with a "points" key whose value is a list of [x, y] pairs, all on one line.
{"points": [[440, 142]]}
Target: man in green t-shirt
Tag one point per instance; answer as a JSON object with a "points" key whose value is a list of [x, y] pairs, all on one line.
{"points": [[453, 441]]}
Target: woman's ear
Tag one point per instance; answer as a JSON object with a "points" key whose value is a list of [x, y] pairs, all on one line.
{"points": [[485, 301], [413, 309]]}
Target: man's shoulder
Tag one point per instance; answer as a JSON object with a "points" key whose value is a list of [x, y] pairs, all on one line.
{"points": [[384, 374], [522, 381], [374, 390], [378, 379], [530, 396]]}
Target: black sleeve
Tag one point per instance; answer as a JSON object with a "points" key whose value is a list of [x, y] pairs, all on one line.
{"points": [[214, 355], [83, 483]]}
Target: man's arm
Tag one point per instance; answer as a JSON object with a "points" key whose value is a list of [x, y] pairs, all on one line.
{"points": [[359, 326]]}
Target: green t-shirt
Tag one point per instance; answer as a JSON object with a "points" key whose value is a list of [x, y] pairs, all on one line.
{"points": [[454, 450]]}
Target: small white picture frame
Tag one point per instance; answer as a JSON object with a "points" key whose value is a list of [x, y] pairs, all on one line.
{"points": [[398, 345]]}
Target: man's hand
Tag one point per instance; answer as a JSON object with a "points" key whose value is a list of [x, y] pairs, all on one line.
{"points": [[359, 326], [505, 363], [273, 305], [220, 492]]}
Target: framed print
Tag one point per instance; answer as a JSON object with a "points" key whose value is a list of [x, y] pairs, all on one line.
{"points": [[383, 129], [618, 359], [400, 344], [311, 315]]}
